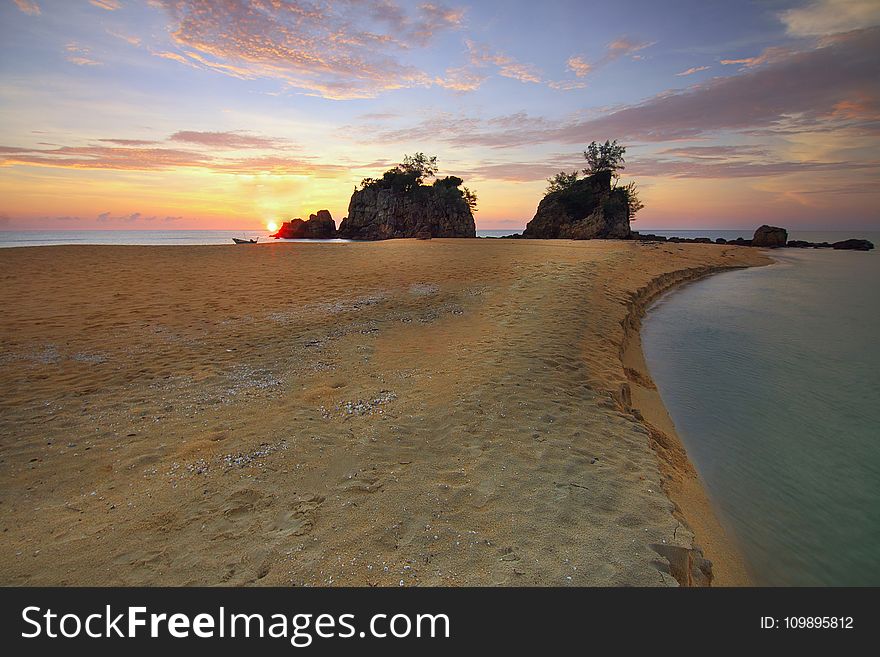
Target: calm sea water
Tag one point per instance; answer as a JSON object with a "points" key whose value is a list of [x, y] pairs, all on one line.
{"points": [[772, 377], [157, 237]]}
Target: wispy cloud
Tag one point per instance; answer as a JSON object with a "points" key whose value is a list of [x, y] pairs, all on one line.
{"points": [[132, 40], [109, 5], [823, 17], [462, 78], [482, 55], [208, 150], [579, 66], [130, 142], [336, 50], [692, 70], [80, 55], [745, 61], [566, 85], [832, 86], [228, 140], [28, 6], [624, 47], [134, 217], [724, 169]]}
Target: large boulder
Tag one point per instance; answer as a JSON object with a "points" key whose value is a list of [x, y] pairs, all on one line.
{"points": [[319, 226], [379, 213], [587, 209], [853, 245], [770, 236]]}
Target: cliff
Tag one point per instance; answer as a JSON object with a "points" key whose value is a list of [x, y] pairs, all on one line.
{"points": [[588, 209], [378, 213], [319, 226]]}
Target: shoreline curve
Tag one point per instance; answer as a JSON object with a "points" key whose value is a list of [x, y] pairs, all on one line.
{"points": [[679, 478]]}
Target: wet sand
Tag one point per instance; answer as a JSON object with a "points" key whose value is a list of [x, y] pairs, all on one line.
{"points": [[443, 412]]}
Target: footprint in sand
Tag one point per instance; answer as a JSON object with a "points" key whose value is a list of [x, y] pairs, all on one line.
{"points": [[297, 519], [361, 482]]}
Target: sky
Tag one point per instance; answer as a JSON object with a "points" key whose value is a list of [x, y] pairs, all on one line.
{"points": [[229, 114]]}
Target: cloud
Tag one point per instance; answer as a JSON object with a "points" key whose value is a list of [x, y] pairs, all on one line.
{"points": [[462, 79], [379, 116], [109, 5], [227, 140], [579, 66], [823, 17], [692, 70], [341, 50], [107, 157], [132, 217], [616, 49], [83, 61], [829, 87], [80, 56], [28, 6], [687, 162], [715, 152], [566, 85], [177, 57], [518, 171], [701, 168], [794, 90], [622, 47], [130, 142], [458, 130], [747, 61], [481, 55], [133, 40], [147, 155]]}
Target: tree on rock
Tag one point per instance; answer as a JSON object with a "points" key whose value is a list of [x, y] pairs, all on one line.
{"points": [[420, 165], [632, 199], [588, 207], [562, 181], [604, 157], [403, 204]]}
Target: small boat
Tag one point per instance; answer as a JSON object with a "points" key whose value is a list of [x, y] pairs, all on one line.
{"points": [[241, 241]]}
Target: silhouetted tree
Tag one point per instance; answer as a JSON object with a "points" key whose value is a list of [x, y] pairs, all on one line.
{"points": [[604, 157], [632, 199], [470, 197], [421, 165], [562, 181], [448, 181], [410, 175]]}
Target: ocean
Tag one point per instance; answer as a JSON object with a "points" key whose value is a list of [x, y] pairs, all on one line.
{"points": [[156, 237], [772, 377]]}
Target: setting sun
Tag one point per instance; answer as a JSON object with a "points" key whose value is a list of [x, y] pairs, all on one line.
{"points": [[271, 226]]}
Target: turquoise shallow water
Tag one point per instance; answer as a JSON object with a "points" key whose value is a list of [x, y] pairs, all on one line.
{"points": [[772, 377]]}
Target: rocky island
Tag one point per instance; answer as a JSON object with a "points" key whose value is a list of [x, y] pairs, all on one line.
{"points": [[766, 237], [319, 226], [589, 208], [400, 204]]}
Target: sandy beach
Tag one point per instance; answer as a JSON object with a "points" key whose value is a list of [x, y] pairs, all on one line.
{"points": [[443, 412]]}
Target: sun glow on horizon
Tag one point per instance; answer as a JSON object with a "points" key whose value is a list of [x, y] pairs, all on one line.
{"points": [[271, 226]]}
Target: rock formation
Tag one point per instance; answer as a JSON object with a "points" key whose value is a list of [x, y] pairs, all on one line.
{"points": [[853, 245], [318, 227], [588, 209], [765, 236], [422, 211], [770, 237]]}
